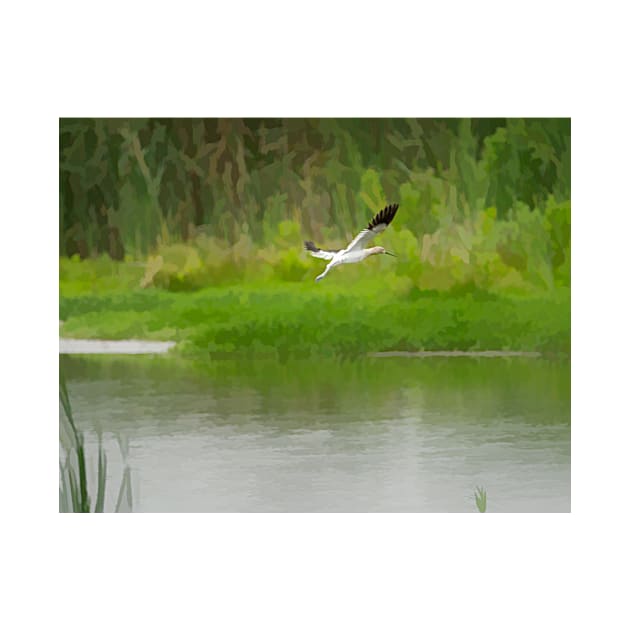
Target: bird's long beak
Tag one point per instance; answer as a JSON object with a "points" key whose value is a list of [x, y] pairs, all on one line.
{"points": [[390, 254]]}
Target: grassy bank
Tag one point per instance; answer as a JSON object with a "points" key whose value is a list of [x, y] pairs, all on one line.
{"points": [[348, 317]]}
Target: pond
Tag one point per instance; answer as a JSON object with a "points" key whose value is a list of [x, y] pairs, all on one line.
{"points": [[377, 435]]}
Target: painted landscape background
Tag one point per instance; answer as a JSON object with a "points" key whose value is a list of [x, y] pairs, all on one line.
{"points": [[282, 394]]}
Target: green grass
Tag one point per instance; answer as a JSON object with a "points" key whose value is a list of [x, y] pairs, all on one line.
{"points": [[339, 318], [98, 275]]}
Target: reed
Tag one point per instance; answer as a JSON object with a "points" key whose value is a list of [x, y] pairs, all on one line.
{"points": [[480, 498], [74, 494]]}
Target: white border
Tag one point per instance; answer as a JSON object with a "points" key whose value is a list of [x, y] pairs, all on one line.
{"points": [[226, 571]]}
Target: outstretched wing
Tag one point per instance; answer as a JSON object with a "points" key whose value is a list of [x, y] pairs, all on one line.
{"points": [[377, 225], [310, 247]]}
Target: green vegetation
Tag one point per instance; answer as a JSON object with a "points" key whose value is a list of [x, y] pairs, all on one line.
{"points": [[131, 187], [523, 255], [480, 499], [302, 320], [74, 495], [192, 230]]}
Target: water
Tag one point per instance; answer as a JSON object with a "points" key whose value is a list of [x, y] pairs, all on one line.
{"points": [[379, 435]]}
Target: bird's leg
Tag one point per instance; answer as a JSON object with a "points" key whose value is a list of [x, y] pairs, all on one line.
{"points": [[322, 275]]}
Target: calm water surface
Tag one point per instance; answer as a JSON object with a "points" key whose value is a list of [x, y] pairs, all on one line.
{"points": [[379, 435]]}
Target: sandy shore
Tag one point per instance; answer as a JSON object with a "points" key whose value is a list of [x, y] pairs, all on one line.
{"points": [[126, 346]]}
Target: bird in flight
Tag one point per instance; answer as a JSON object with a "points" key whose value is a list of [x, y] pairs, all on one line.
{"points": [[356, 251]]}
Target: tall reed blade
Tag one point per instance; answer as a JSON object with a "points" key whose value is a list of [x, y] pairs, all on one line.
{"points": [[102, 475], [124, 502], [73, 482]]}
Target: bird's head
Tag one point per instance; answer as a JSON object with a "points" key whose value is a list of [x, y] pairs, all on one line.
{"points": [[382, 250]]}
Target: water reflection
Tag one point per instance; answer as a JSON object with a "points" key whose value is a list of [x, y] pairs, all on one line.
{"points": [[376, 435]]}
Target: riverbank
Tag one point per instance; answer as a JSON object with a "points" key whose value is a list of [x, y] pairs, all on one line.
{"points": [[278, 320]]}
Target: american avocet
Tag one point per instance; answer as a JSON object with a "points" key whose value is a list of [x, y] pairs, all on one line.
{"points": [[356, 250]]}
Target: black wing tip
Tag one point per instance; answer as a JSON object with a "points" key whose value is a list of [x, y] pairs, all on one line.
{"points": [[386, 216], [309, 246]]}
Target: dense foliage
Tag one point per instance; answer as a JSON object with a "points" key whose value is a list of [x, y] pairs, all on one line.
{"points": [[484, 202]]}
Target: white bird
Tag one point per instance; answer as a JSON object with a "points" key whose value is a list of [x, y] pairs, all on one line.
{"points": [[356, 251]]}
